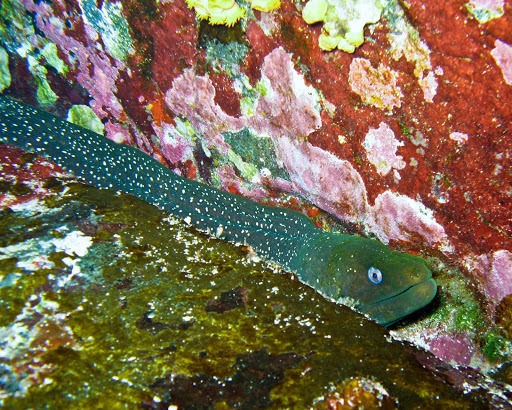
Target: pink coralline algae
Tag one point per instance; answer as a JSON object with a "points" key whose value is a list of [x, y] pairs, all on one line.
{"points": [[288, 112], [288, 106], [494, 274], [334, 185], [502, 53], [398, 217], [381, 146], [329, 182], [456, 349], [377, 87], [116, 132], [97, 71], [173, 145], [193, 97]]}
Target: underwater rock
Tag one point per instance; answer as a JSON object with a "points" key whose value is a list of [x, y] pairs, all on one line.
{"points": [[228, 301], [80, 326], [442, 71], [357, 393], [250, 385], [504, 314]]}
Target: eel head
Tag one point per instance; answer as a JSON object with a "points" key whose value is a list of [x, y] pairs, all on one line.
{"points": [[386, 285]]}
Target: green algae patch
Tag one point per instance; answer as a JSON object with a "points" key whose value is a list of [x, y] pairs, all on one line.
{"points": [[151, 313], [459, 310], [496, 347], [51, 55], [257, 151], [227, 57], [84, 116], [5, 75]]}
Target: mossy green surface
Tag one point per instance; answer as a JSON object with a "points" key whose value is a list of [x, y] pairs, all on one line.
{"points": [[5, 75], [495, 346], [459, 307], [84, 116], [158, 314], [255, 151]]}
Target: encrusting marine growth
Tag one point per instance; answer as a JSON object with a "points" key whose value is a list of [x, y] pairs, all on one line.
{"points": [[344, 21], [227, 12], [382, 283]]}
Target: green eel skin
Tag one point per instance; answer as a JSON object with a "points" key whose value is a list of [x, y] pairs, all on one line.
{"points": [[382, 283]]}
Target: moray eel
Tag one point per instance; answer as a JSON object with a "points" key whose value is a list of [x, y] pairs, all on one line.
{"points": [[382, 283]]}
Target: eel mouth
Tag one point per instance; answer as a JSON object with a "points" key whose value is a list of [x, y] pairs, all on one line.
{"points": [[392, 309]]}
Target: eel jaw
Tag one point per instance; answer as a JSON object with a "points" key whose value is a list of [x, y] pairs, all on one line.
{"points": [[392, 309]]}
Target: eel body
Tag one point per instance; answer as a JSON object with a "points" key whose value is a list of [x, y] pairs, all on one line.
{"points": [[384, 284]]}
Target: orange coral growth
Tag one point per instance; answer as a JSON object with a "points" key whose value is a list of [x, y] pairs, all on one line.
{"points": [[157, 108]]}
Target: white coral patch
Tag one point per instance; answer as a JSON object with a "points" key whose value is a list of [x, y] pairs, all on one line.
{"points": [[459, 137], [74, 242]]}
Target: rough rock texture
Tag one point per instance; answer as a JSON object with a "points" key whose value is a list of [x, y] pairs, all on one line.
{"points": [[108, 302], [407, 139]]}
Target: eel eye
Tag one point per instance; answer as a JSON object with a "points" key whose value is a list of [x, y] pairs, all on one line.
{"points": [[374, 275]]}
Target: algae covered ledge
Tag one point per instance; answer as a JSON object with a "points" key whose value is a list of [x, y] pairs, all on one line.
{"points": [[358, 114], [109, 301]]}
